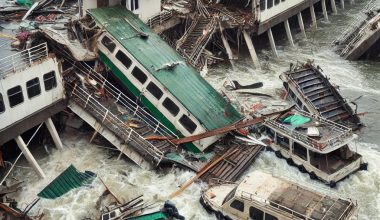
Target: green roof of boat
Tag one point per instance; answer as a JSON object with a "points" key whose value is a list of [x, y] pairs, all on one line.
{"points": [[182, 81]]}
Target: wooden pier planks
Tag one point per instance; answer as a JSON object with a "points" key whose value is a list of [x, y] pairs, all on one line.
{"points": [[233, 166]]}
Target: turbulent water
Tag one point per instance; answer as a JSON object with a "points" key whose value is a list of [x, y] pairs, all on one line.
{"points": [[358, 78]]}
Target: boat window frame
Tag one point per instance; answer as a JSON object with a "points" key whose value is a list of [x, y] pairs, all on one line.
{"points": [[269, 5], [297, 153], [122, 60], [250, 213], [11, 104], [137, 73], [239, 207], [47, 80], [191, 130], [157, 93], [2, 104], [111, 42], [30, 88], [262, 5], [230, 195], [276, 2], [282, 141], [172, 111], [271, 217]]}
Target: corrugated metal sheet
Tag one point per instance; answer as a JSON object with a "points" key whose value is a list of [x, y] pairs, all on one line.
{"points": [[66, 181], [183, 81]]}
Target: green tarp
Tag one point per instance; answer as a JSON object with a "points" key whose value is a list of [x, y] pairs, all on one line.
{"points": [[27, 3], [151, 216], [70, 178], [296, 120]]}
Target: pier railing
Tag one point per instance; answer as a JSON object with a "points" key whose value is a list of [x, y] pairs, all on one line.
{"points": [[113, 123], [22, 60], [343, 132], [159, 19], [130, 105]]}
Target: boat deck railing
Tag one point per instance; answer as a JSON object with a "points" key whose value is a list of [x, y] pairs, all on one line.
{"points": [[159, 19], [340, 133], [113, 123], [131, 105], [22, 60]]}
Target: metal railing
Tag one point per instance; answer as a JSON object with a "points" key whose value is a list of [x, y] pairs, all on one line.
{"points": [[22, 60], [159, 19], [343, 132], [113, 123], [130, 105]]}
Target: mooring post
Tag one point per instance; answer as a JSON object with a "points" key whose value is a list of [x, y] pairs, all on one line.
{"points": [[251, 49], [313, 17], [333, 7], [288, 32], [21, 144], [272, 43], [53, 132], [342, 3], [227, 46], [324, 9], [300, 23]]}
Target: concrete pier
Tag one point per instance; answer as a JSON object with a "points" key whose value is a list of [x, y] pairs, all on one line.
{"points": [[251, 49], [288, 32], [21, 144], [301, 24], [333, 6], [313, 17], [342, 3], [54, 134], [324, 9], [227, 46], [272, 43]]}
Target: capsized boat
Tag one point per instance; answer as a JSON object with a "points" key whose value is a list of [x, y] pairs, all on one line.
{"points": [[263, 196], [315, 145], [312, 92]]}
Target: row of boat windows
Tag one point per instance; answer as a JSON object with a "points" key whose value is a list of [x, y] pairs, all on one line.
{"points": [[152, 88], [33, 89], [267, 4], [283, 141], [254, 213]]}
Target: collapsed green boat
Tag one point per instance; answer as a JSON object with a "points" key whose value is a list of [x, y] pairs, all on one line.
{"points": [[162, 80]]}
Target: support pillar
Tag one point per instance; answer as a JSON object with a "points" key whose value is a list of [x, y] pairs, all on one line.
{"points": [[324, 9], [342, 3], [313, 17], [54, 134], [272, 43], [288, 32], [228, 48], [21, 144], [300, 23], [251, 49], [333, 6], [352, 2]]}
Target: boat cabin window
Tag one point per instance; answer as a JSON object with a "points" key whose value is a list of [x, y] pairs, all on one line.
{"points": [[282, 141], [238, 205], [33, 87], [2, 106], [270, 217], [139, 75], [188, 124], [15, 96], [108, 43], [113, 214], [269, 3], [270, 132], [292, 95], [276, 2], [124, 59], [230, 195], [255, 214], [154, 90], [299, 103], [299, 150], [106, 216], [262, 5], [134, 5], [171, 106], [49, 80]]}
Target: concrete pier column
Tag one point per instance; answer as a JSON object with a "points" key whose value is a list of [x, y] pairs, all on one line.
{"points": [[21, 144], [324, 9], [342, 3], [54, 134], [288, 32], [300, 23], [313, 17], [352, 2], [333, 6], [227, 46], [251, 49], [272, 43]]}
